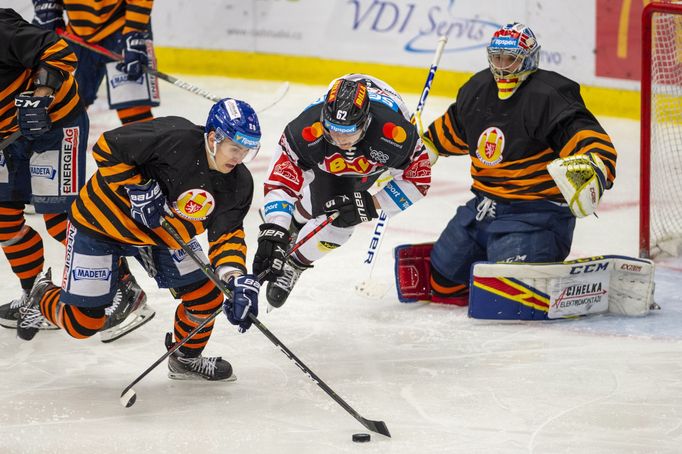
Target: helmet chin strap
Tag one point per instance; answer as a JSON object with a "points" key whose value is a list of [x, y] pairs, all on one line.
{"points": [[211, 152]]}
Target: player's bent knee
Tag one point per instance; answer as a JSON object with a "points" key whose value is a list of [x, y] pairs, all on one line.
{"points": [[535, 247], [83, 322]]}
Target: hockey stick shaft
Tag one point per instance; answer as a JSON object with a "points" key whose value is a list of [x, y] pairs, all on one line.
{"points": [[375, 426], [214, 278], [167, 77], [117, 57], [10, 140], [378, 236], [432, 74]]}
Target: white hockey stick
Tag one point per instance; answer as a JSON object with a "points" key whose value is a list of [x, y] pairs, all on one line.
{"points": [[367, 287]]}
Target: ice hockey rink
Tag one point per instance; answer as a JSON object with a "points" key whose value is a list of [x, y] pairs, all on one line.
{"points": [[443, 383]]}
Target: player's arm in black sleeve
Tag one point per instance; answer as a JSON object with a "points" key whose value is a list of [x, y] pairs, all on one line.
{"points": [[119, 153], [28, 46], [575, 131]]}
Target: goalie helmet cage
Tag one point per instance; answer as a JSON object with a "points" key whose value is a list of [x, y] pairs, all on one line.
{"points": [[660, 218]]}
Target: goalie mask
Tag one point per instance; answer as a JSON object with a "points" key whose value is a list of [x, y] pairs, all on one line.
{"points": [[237, 121], [345, 115], [513, 54]]}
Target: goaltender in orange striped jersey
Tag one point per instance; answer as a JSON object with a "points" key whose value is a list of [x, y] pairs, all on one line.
{"points": [[511, 141]]}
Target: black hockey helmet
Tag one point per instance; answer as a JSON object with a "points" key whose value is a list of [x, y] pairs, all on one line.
{"points": [[345, 111]]}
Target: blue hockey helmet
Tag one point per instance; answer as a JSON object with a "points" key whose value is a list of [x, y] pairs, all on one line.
{"points": [[235, 120], [513, 54]]}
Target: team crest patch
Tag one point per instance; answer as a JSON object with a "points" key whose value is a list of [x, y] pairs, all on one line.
{"points": [[195, 204], [490, 146]]}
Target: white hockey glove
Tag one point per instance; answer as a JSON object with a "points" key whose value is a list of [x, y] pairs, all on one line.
{"points": [[581, 180]]}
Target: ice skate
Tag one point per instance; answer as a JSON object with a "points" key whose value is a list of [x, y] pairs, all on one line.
{"points": [[279, 290], [9, 313], [184, 367], [129, 309], [30, 318]]}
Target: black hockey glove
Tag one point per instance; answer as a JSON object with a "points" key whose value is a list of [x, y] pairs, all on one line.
{"points": [[134, 54], [49, 14], [148, 203], [32, 115], [273, 241], [244, 300], [353, 209]]}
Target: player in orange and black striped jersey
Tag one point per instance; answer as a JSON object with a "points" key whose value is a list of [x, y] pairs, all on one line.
{"points": [[192, 177], [121, 26], [46, 164], [513, 121]]}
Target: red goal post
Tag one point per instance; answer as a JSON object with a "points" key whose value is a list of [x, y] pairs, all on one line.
{"points": [[660, 219]]}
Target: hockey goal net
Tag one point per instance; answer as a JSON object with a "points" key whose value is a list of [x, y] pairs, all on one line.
{"points": [[661, 134]]}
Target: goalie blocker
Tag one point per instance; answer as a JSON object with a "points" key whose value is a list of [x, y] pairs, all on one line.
{"points": [[521, 291]]}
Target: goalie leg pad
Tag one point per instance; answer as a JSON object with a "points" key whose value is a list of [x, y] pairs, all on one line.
{"points": [[518, 291], [416, 281], [413, 272]]}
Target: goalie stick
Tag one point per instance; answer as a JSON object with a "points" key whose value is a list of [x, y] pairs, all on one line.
{"points": [[128, 396], [167, 77], [367, 287]]}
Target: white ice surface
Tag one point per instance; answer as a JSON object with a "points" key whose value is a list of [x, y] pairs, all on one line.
{"points": [[442, 383]]}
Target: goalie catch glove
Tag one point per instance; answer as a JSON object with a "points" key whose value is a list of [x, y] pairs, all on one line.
{"points": [[581, 180]]}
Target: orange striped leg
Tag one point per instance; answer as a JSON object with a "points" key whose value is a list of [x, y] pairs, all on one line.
{"points": [[198, 303], [22, 245], [56, 226], [135, 114], [447, 292], [78, 322]]}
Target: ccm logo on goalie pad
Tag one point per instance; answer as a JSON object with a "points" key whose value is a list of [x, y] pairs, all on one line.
{"points": [[589, 268]]}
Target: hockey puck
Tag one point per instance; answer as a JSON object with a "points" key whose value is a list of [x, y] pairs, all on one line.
{"points": [[361, 438]]}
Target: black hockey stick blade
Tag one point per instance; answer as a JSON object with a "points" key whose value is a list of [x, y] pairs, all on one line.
{"points": [[376, 426]]}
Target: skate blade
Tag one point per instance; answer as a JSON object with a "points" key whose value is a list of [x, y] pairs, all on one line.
{"points": [[47, 326], [142, 315], [197, 377]]}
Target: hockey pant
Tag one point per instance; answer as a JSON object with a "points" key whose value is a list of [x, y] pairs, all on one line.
{"points": [[484, 230], [309, 213], [198, 301], [89, 283], [48, 172]]}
